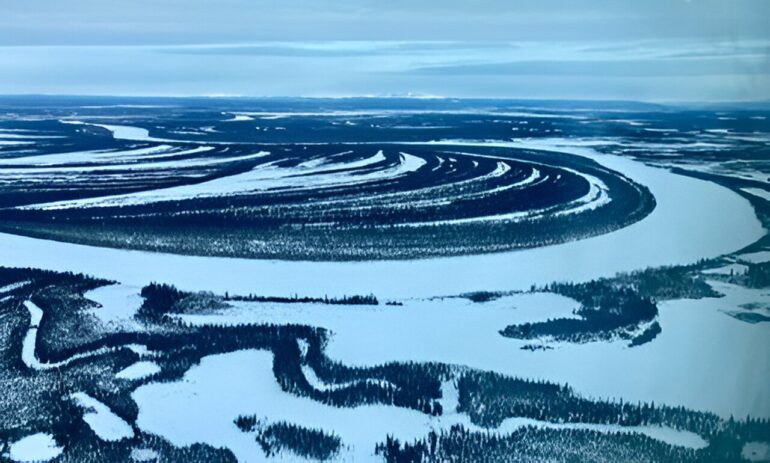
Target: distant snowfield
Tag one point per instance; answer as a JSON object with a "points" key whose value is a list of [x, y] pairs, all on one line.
{"points": [[122, 132], [239, 118], [694, 219]]}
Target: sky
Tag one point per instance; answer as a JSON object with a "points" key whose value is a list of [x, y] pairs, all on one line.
{"points": [[651, 50]]}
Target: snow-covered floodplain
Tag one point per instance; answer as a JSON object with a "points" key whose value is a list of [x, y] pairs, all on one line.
{"points": [[138, 370], [704, 359], [202, 407], [683, 228], [106, 424], [117, 304], [35, 448]]}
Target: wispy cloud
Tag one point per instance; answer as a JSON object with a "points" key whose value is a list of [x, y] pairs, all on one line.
{"points": [[607, 68], [164, 22], [643, 70], [333, 49]]}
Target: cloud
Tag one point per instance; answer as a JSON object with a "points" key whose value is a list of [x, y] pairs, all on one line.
{"points": [[336, 48], [608, 68], [164, 22], [648, 70]]}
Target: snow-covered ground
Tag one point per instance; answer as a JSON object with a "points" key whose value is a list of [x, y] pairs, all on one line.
{"points": [[450, 401], [105, 424], [261, 178], [35, 314], [759, 192], [735, 169], [239, 118], [756, 451], [714, 368], [755, 257], [117, 304], [664, 434], [122, 132], [683, 228], [35, 448], [112, 165], [144, 455], [729, 269], [13, 286], [203, 405], [29, 345], [138, 370], [319, 385], [82, 157]]}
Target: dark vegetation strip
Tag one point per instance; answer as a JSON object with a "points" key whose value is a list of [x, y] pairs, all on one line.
{"points": [[315, 444], [273, 225], [163, 299], [532, 444], [614, 307]]}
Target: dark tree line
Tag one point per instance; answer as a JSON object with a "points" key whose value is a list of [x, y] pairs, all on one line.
{"points": [[647, 335], [369, 299], [667, 283], [533, 445], [408, 385], [274, 438], [489, 398], [606, 311], [159, 299], [758, 275], [614, 307]]}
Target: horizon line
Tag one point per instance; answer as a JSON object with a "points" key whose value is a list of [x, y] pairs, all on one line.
{"points": [[407, 96]]}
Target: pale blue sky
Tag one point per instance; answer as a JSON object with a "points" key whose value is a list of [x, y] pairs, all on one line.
{"points": [[658, 50]]}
